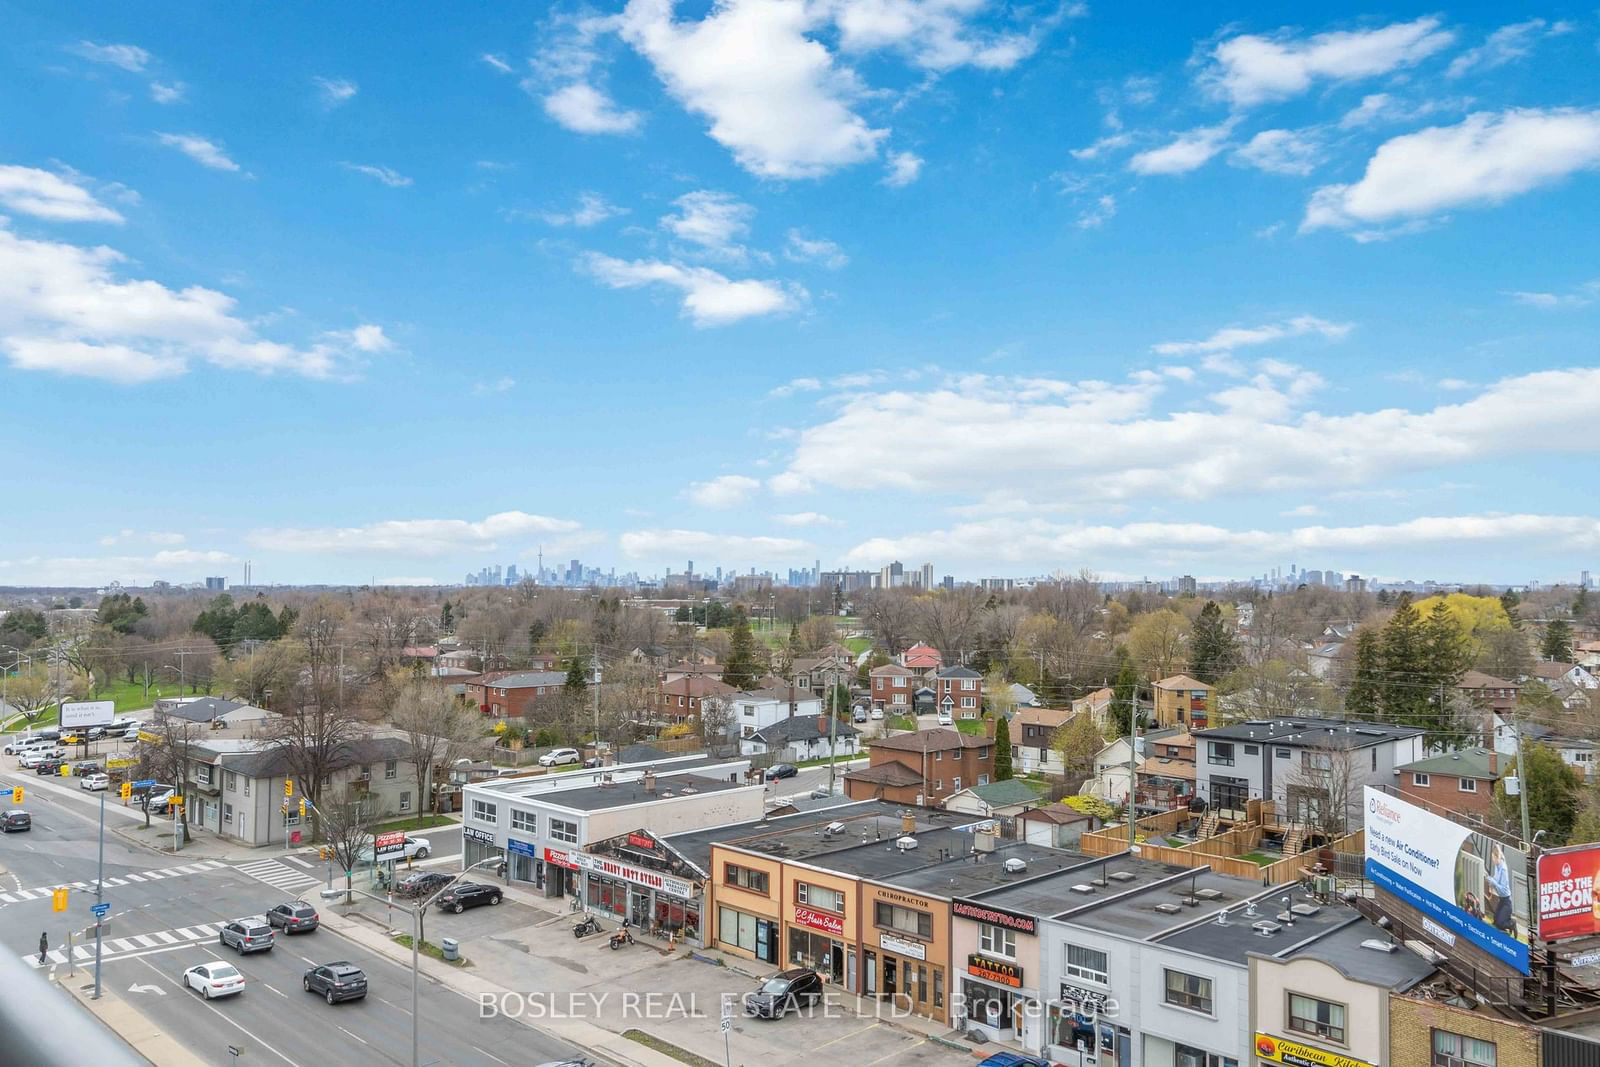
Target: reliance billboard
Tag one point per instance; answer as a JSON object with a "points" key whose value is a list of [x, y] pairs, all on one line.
{"points": [[1462, 882]]}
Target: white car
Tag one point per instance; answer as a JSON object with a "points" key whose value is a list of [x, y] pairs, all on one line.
{"points": [[945, 719], [95, 781], [214, 979], [35, 756], [877, 713], [417, 848], [557, 756]]}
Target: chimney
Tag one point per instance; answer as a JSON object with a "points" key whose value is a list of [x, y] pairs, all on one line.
{"points": [[1494, 762], [908, 823], [649, 781], [988, 726]]}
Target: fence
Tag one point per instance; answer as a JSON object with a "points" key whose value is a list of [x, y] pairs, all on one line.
{"points": [[1114, 839]]}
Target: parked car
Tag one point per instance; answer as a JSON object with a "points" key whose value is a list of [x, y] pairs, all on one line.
{"points": [[945, 719], [556, 757], [592, 762], [1013, 1059], [158, 801], [250, 934], [16, 821], [417, 848], [463, 895], [781, 770], [49, 766], [87, 766], [75, 737], [294, 917], [859, 715], [877, 714], [95, 782], [141, 793], [35, 756], [784, 992], [336, 981], [214, 979], [421, 883], [22, 743]]}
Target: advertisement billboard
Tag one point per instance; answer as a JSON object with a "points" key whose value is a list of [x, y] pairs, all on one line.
{"points": [[88, 713], [389, 845], [1462, 882], [1567, 905]]}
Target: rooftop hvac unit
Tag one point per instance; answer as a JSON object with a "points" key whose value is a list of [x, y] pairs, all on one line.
{"points": [[1016, 866], [835, 828], [1265, 929], [905, 844], [1168, 909]]}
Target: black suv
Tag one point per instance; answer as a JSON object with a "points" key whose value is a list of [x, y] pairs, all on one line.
{"points": [[15, 822], [463, 895], [295, 916], [784, 992], [49, 766], [421, 883], [336, 981]]}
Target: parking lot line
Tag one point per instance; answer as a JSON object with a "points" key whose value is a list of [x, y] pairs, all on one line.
{"points": [[843, 1037], [897, 1052]]}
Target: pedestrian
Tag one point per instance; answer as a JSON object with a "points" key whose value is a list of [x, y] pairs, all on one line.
{"points": [[44, 944]]}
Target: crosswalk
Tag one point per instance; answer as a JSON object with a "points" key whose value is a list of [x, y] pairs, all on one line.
{"points": [[16, 896], [277, 875], [133, 944]]}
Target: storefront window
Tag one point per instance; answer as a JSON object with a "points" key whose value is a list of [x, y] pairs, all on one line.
{"points": [[754, 935], [1068, 1028], [987, 1005], [607, 896]]}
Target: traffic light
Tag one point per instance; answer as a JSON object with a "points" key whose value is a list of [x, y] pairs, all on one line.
{"points": [[302, 807], [288, 787], [127, 790], [283, 809], [58, 900], [16, 794]]}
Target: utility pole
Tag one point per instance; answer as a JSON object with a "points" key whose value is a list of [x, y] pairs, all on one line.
{"points": [[596, 699], [833, 725], [99, 896], [1133, 768]]}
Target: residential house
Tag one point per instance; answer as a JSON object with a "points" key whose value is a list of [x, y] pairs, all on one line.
{"points": [[513, 695], [1096, 703], [756, 710], [1322, 659], [680, 700], [1565, 675], [461, 658], [1184, 702], [922, 658], [819, 673], [959, 691], [802, 737], [994, 800], [1055, 826], [922, 767], [212, 712], [685, 669], [653, 656], [1461, 781], [1022, 696], [1488, 693], [1587, 655], [1033, 732], [1167, 773], [1113, 769], [891, 687]]}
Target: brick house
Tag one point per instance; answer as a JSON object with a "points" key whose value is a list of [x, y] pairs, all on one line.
{"points": [[1452, 781], [514, 695], [959, 690], [923, 768], [891, 688], [1487, 691], [1033, 732], [1184, 701], [679, 700], [922, 658]]}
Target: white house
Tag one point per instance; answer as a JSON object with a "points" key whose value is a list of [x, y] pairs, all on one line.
{"points": [[801, 738], [756, 710]]}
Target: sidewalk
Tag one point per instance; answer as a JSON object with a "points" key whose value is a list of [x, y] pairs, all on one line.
{"points": [[127, 1022]]}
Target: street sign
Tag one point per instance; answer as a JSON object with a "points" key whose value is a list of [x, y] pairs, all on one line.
{"points": [[727, 1024], [88, 713], [144, 783], [118, 764], [101, 910]]}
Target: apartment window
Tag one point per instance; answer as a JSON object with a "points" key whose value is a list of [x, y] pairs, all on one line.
{"points": [[1319, 1018], [227, 814], [1252, 750], [955, 784], [1467, 785], [247, 785], [899, 698], [906, 920], [391, 769], [1088, 964], [983, 753], [749, 710], [983, 779], [997, 941], [969, 683], [231, 780], [562, 830], [938, 785], [1189, 1056], [1421, 781], [1282, 753], [1189, 991], [1374, 758], [969, 702], [937, 756], [203, 773], [524, 820], [745, 878], [405, 801], [816, 896], [1220, 753], [1316, 762], [1454, 1050], [483, 811]]}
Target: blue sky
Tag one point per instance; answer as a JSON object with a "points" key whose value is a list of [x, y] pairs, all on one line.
{"points": [[362, 291]]}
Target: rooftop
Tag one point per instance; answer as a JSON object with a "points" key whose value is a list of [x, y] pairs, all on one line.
{"points": [[1466, 763], [865, 845], [1303, 922], [695, 845], [1131, 897], [525, 680], [634, 791], [1181, 681], [803, 728], [982, 873], [1310, 730], [1479, 680], [1005, 794], [1349, 950], [577, 778], [937, 739]]}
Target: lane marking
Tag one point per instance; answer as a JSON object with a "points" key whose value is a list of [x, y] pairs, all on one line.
{"points": [[225, 1018], [489, 1054], [897, 1052], [301, 862], [358, 1037], [278, 991], [853, 1033]]}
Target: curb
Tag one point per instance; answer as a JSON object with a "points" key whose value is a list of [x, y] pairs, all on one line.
{"points": [[130, 1025]]}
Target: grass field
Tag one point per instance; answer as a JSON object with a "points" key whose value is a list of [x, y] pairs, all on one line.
{"points": [[414, 822], [131, 696]]}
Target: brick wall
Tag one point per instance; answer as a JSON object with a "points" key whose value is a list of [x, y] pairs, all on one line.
{"points": [[1444, 791], [1412, 1023]]}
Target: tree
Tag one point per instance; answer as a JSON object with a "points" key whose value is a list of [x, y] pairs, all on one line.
{"points": [[1324, 790], [217, 620], [1002, 749], [318, 723], [577, 683], [1505, 654], [742, 667], [1079, 742], [447, 617], [1213, 652], [29, 694], [1552, 790], [346, 824], [23, 627], [1124, 695], [265, 675], [997, 696], [1365, 697], [1557, 643], [1509, 601], [436, 726], [121, 612], [715, 721], [1406, 695], [1156, 643]]}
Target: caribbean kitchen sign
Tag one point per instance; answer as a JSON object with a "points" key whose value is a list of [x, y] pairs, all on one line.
{"points": [[983, 913]]}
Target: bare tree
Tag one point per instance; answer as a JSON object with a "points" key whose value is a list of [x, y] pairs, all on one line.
{"points": [[266, 675], [949, 621], [317, 725], [1078, 741], [346, 823], [169, 761], [437, 728], [715, 721], [1324, 790], [890, 615]]}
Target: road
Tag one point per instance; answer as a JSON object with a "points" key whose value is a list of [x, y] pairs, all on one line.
{"points": [[165, 911], [809, 778]]}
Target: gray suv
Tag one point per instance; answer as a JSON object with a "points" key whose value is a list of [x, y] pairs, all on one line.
{"points": [[248, 935]]}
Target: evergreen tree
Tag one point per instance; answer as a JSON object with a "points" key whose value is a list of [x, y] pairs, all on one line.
{"points": [[1406, 699], [1509, 600], [577, 682], [447, 617], [1553, 798], [121, 612], [1212, 649], [1002, 749], [1557, 644], [217, 620], [286, 620], [791, 652], [1580, 604], [1446, 655], [1365, 698], [1384, 598], [683, 614], [742, 667], [1124, 692]]}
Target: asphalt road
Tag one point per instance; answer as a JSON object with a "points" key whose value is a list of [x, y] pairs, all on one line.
{"points": [[164, 912]]}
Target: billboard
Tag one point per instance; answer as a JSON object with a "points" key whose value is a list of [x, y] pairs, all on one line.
{"points": [[88, 713], [1462, 882], [389, 845], [1566, 892]]}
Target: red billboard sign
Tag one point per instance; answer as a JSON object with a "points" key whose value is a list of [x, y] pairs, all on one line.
{"points": [[819, 920], [1567, 906]]}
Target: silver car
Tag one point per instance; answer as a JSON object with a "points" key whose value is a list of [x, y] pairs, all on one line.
{"points": [[253, 934]]}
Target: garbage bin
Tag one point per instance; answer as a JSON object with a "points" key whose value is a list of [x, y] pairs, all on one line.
{"points": [[450, 948]]}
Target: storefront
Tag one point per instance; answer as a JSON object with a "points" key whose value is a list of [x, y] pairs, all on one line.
{"points": [[655, 900], [479, 845], [1001, 949], [994, 1001], [1078, 1031], [905, 951], [560, 873], [522, 861], [816, 941]]}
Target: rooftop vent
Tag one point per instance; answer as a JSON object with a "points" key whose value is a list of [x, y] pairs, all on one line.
{"points": [[1122, 876], [834, 828], [905, 844], [1222, 917], [1378, 944], [1191, 902], [1208, 894], [1016, 866], [1265, 929], [1305, 911], [1098, 882], [1083, 887], [1169, 909]]}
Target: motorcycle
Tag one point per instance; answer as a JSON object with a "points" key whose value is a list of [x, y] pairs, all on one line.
{"points": [[588, 925], [622, 936]]}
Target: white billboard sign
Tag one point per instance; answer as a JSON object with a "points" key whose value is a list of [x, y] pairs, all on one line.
{"points": [[88, 713]]}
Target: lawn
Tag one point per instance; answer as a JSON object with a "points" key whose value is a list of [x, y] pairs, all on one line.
{"points": [[131, 696], [974, 727], [1260, 859], [858, 645], [667, 1048], [899, 722], [428, 948], [414, 822]]}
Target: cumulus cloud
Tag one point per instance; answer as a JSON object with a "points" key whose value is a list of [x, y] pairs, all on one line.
{"points": [[1582, 296], [803, 249], [728, 491], [935, 36], [393, 179], [202, 151], [709, 298], [904, 168], [582, 108], [807, 518], [1186, 152], [1487, 158], [590, 210], [163, 93], [153, 537], [1232, 337], [1280, 152], [47, 195], [129, 57], [1506, 45], [334, 92], [715, 223], [169, 565], [1251, 69], [410, 537], [796, 385], [680, 544]]}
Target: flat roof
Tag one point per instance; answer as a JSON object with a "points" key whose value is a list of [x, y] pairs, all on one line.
{"points": [[1234, 942], [622, 794], [866, 846], [695, 845], [538, 784], [1138, 896], [1308, 730], [1348, 949], [981, 872]]}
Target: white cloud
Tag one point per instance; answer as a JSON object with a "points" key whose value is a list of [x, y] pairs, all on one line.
{"points": [[154, 537], [714, 222], [204, 152], [1301, 512], [582, 108], [499, 385], [369, 337], [1582, 296], [1232, 337], [727, 491], [176, 565], [796, 385], [1094, 442], [591, 209], [1109, 143], [334, 92], [1505, 45], [393, 179], [768, 88], [1098, 214], [1251, 69], [803, 249], [807, 518], [1280, 152], [64, 309], [410, 537], [1485, 159], [496, 62], [129, 57], [934, 35], [1188, 151], [681, 544], [163, 93], [904, 168], [709, 298], [50, 196]]}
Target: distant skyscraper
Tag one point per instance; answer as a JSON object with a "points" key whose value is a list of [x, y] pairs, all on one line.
{"points": [[217, 584], [511, 574], [927, 576]]}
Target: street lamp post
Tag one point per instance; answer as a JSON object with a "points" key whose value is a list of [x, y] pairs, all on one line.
{"points": [[417, 910]]}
